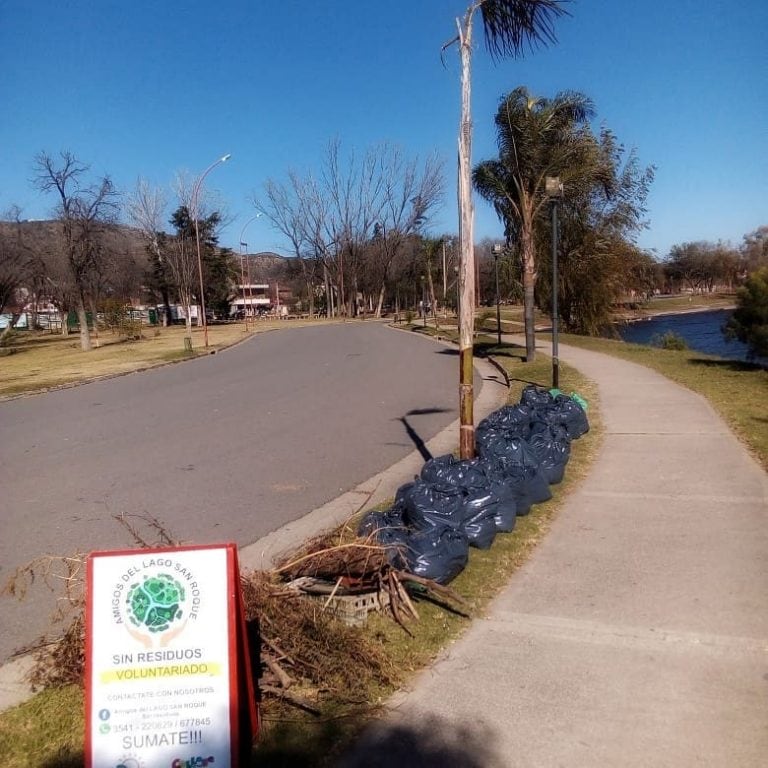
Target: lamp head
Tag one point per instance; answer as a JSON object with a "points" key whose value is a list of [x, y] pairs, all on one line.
{"points": [[226, 157], [553, 187]]}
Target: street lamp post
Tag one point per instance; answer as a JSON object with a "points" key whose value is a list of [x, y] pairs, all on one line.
{"points": [[195, 196], [243, 254], [424, 300], [554, 190], [243, 249], [497, 248], [458, 298]]}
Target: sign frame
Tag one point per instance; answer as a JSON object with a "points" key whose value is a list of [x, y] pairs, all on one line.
{"points": [[243, 714]]}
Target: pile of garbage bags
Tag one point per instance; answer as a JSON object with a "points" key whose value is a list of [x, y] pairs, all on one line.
{"points": [[453, 504]]}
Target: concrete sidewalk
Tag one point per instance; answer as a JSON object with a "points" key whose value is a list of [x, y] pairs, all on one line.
{"points": [[637, 633]]}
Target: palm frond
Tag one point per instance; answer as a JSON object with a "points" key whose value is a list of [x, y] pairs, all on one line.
{"points": [[511, 26]]}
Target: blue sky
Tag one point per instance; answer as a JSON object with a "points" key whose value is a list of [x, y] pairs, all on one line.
{"points": [[151, 88]]}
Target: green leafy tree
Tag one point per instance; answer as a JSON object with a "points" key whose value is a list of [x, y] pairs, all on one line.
{"points": [[221, 273], [749, 322], [181, 257], [754, 250], [600, 215], [702, 266], [537, 137]]}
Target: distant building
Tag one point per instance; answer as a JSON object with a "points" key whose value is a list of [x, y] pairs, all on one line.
{"points": [[252, 299]]}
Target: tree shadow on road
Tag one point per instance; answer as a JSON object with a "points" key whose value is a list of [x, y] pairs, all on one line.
{"points": [[433, 742], [416, 439]]}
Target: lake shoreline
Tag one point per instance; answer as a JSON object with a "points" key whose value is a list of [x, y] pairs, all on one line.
{"points": [[654, 314]]}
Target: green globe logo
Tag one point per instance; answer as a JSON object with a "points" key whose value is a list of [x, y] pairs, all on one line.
{"points": [[155, 603]]}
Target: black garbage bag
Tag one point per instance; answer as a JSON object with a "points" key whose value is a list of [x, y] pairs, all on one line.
{"points": [[527, 485], [434, 469], [439, 553], [512, 457], [552, 448], [536, 397], [480, 517], [480, 529], [515, 487], [569, 414], [513, 420], [496, 502], [488, 507], [380, 519], [506, 507], [446, 470], [401, 494], [486, 438], [426, 505]]}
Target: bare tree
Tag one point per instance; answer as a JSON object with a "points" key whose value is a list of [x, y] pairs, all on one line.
{"points": [[354, 188], [353, 218], [410, 195], [16, 267], [285, 206], [146, 209], [83, 213]]}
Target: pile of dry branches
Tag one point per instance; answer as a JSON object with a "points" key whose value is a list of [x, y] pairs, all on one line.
{"points": [[301, 652], [330, 565], [304, 653]]}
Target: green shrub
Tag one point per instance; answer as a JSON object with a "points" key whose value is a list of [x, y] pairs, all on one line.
{"points": [[130, 330], [669, 340]]}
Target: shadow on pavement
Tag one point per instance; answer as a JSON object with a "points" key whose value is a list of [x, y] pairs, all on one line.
{"points": [[430, 743], [414, 435]]}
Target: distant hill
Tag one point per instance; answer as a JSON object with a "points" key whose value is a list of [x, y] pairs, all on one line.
{"points": [[265, 266], [41, 236]]}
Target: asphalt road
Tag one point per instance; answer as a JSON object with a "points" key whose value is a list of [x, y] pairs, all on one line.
{"points": [[224, 448]]}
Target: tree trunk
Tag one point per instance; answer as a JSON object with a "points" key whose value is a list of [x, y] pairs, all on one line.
{"points": [[9, 328], [529, 281], [380, 302], [64, 317], [167, 314], [187, 301], [432, 301], [95, 314], [467, 260], [328, 297], [310, 299], [82, 318]]}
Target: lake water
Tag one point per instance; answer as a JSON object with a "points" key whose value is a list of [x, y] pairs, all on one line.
{"points": [[701, 331]]}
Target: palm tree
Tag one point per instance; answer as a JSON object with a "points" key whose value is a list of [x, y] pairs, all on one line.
{"points": [[537, 138], [509, 26]]}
